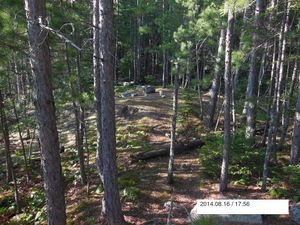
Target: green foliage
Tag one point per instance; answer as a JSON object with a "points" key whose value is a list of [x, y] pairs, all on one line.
{"points": [[132, 137], [144, 29], [99, 189], [131, 193], [128, 184], [150, 79], [245, 162], [68, 175], [277, 192], [37, 199], [285, 181], [7, 203], [207, 220], [186, 109], [35, 210], [128, 180], [121, 89]]}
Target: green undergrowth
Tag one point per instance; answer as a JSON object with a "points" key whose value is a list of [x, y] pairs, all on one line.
{"points": [[186, 108], [245, 162], [246, 166], [33, 212], [132, 137], [128, 185], [285, 182], [121, 89], [207, 220]]}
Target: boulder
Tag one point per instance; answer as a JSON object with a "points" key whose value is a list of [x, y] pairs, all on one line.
{"points": [[149, 89], [131, 83], [295, 213], [251, 219], [125, 94], [126, 111]]}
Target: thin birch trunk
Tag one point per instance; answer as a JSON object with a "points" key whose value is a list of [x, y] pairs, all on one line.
{"points": [[173, 130], [295, 147], [97, 91], [287, 105]]}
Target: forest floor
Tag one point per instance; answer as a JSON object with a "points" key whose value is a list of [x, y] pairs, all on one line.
{"points": [[143, 183], [153, 118]]}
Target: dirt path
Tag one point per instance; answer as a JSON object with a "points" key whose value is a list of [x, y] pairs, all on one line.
{"points": [[156, 191], [148, 126]]}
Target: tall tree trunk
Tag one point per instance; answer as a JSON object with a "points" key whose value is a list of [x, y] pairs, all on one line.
{"points": [[295, 148], [108, 123], [45, 111], [79, 115], [252, 87], [97, 89], [9, 164], [137, 43], [199, 85], [280, 77], [165, 68], [4, 127], [271, 146], [21, 139], [287, 104], [81, 122], [165, 51], [238, 70], [227, 96], [241, 45], [270, 94], [173, 129], [216, 82], [273, 74]]}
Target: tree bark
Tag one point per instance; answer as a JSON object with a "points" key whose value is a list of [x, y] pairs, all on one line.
{"points": [[280, 76], [137, 49], [173, 129], [4, 127], [252, 87], [81, 122], [178, 148], [78, 112], [295, 148], [10, 174], [216, 82], [97, 91], [199, 80], [227, 105], [287, 105], [45, 111], [108, 123]]}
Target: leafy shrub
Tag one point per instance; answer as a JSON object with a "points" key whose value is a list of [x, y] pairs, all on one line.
{"points": [[131, 193], [37, 199], [121, 89], [285, 181], [277, 192], [128, 185], [244, 163]]}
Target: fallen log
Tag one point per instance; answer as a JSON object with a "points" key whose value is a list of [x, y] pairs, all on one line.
{"points": [[180, 148]]}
